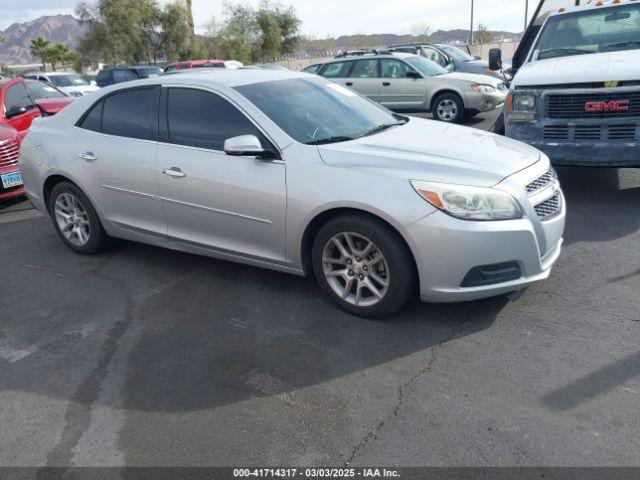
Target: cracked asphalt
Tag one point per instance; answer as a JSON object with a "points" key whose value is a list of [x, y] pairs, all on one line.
{"points": [[148, 357]]}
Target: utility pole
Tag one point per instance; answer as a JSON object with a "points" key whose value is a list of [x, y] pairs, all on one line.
{"points": [[471, 30], [526, 13]]}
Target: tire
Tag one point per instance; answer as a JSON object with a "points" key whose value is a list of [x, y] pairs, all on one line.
{"points": [[67, 200], [348, 284], [448, 107]]}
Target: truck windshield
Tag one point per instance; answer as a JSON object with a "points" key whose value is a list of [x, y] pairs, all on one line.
{"points": [[599, 30]]}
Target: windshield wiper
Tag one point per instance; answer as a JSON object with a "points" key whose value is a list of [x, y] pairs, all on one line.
{"points": [[631, 43], [569, 51], [336, 139], [383, 127]]}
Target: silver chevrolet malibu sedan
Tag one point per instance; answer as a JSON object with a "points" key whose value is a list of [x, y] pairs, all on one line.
{"points": [[291, 172]]}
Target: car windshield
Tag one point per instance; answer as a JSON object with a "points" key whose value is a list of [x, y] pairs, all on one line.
{"points": [[457, 54], [70, 80], [148, 72], [425, 66], [317, 111], [40, 90], [592, 31]]}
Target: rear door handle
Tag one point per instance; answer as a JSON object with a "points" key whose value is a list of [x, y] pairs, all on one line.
{"points": [[174, 172], [88, 156], [349, 84], [386, 84]]}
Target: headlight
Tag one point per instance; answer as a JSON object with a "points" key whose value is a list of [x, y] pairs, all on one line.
{"points": [[521, 106], [469, 203], [478, 88]]}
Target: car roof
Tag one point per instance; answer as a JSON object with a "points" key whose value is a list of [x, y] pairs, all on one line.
{"points": [[370, 56], [229, 78]]}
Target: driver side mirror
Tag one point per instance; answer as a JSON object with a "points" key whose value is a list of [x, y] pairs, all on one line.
{"points": [[248, 146], [14, 112], [495, 59], [413, 74]]}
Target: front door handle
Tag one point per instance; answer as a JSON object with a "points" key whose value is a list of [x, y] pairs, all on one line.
{"points": [[386, 84], [349, 84], [174, 172], [88, 156]]}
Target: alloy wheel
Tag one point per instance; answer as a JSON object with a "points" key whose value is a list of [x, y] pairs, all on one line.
{"points": [[356, 269], [72, 219], [447, 110]]}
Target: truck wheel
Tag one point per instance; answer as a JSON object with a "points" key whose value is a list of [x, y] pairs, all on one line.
{"points": [[448, 107]]}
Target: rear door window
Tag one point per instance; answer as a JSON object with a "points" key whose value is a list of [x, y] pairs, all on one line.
{"points": [[365, 69], [129, 113], [93, 119]]}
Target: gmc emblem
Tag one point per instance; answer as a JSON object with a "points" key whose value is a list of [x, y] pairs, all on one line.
{"points": [[612, 106]]}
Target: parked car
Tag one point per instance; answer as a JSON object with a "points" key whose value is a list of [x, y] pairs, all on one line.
{"points": [[70, 83], [452, 58], [267, 66], [403, 81], [24, 100], [194, 64], [10, 177], [233, 64], [287, 171], [21, 102], [112, 75]]}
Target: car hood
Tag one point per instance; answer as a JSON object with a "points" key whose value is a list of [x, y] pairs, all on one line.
{"points": [[51, 106], [434, 151], [471, 78], [595, 67]]}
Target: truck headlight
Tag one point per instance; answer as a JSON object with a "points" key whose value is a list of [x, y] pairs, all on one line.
{"points": [[521, 106], [469, 203], [480, 88]]}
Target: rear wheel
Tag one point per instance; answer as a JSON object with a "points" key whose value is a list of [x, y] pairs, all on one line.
{"points": [[363, 265], [448, 107], [76, 221]]}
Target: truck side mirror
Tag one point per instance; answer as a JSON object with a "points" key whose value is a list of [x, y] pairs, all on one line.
{"points": [[495, 59]]}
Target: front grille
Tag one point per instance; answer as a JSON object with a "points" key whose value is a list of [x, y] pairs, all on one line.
{"points": [[574, 106], [555, 132], [626, 132], [540, 182], [549, 208], [8, 153]]}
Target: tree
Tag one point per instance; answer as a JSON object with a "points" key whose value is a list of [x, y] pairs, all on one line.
{"points": [[175, 40], [483, 35], [192, 29], [59, 53], [39, 48]]}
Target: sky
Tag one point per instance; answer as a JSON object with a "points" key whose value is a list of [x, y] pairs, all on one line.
{"points": [[322, 18]]}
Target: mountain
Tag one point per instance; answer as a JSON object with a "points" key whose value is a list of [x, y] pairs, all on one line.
{"points": [[57, 28]]}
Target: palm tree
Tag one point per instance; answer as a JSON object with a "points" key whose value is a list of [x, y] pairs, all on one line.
{"points": [[39, 48], [59, 53]]}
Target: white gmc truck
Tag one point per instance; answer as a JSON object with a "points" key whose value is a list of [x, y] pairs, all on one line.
{"points": [[575, 93]]}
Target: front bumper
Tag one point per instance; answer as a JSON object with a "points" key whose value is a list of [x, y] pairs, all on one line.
{"points": [[446, 249], [484, 102]]}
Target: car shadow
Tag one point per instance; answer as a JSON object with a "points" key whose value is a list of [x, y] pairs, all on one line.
{"points": [[187, 333], [602, 203]]}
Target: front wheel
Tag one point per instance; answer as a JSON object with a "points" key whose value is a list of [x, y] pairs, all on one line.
{"points": [[363, 265], [76, 221], [448, 107]]}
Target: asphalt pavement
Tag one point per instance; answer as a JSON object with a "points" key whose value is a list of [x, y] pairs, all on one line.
{"points": [[149, 357]]}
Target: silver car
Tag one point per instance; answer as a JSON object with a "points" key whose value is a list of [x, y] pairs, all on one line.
{"points": [[407, 82], [292, 172]]}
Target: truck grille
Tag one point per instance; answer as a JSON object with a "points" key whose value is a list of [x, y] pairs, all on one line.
{"points": [[549, 208], [540, 182], [8, 153], [626, 132], [574, 106]]}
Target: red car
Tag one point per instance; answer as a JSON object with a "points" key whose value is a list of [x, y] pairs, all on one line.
{"points": [[194, 64], [21, 101]]}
